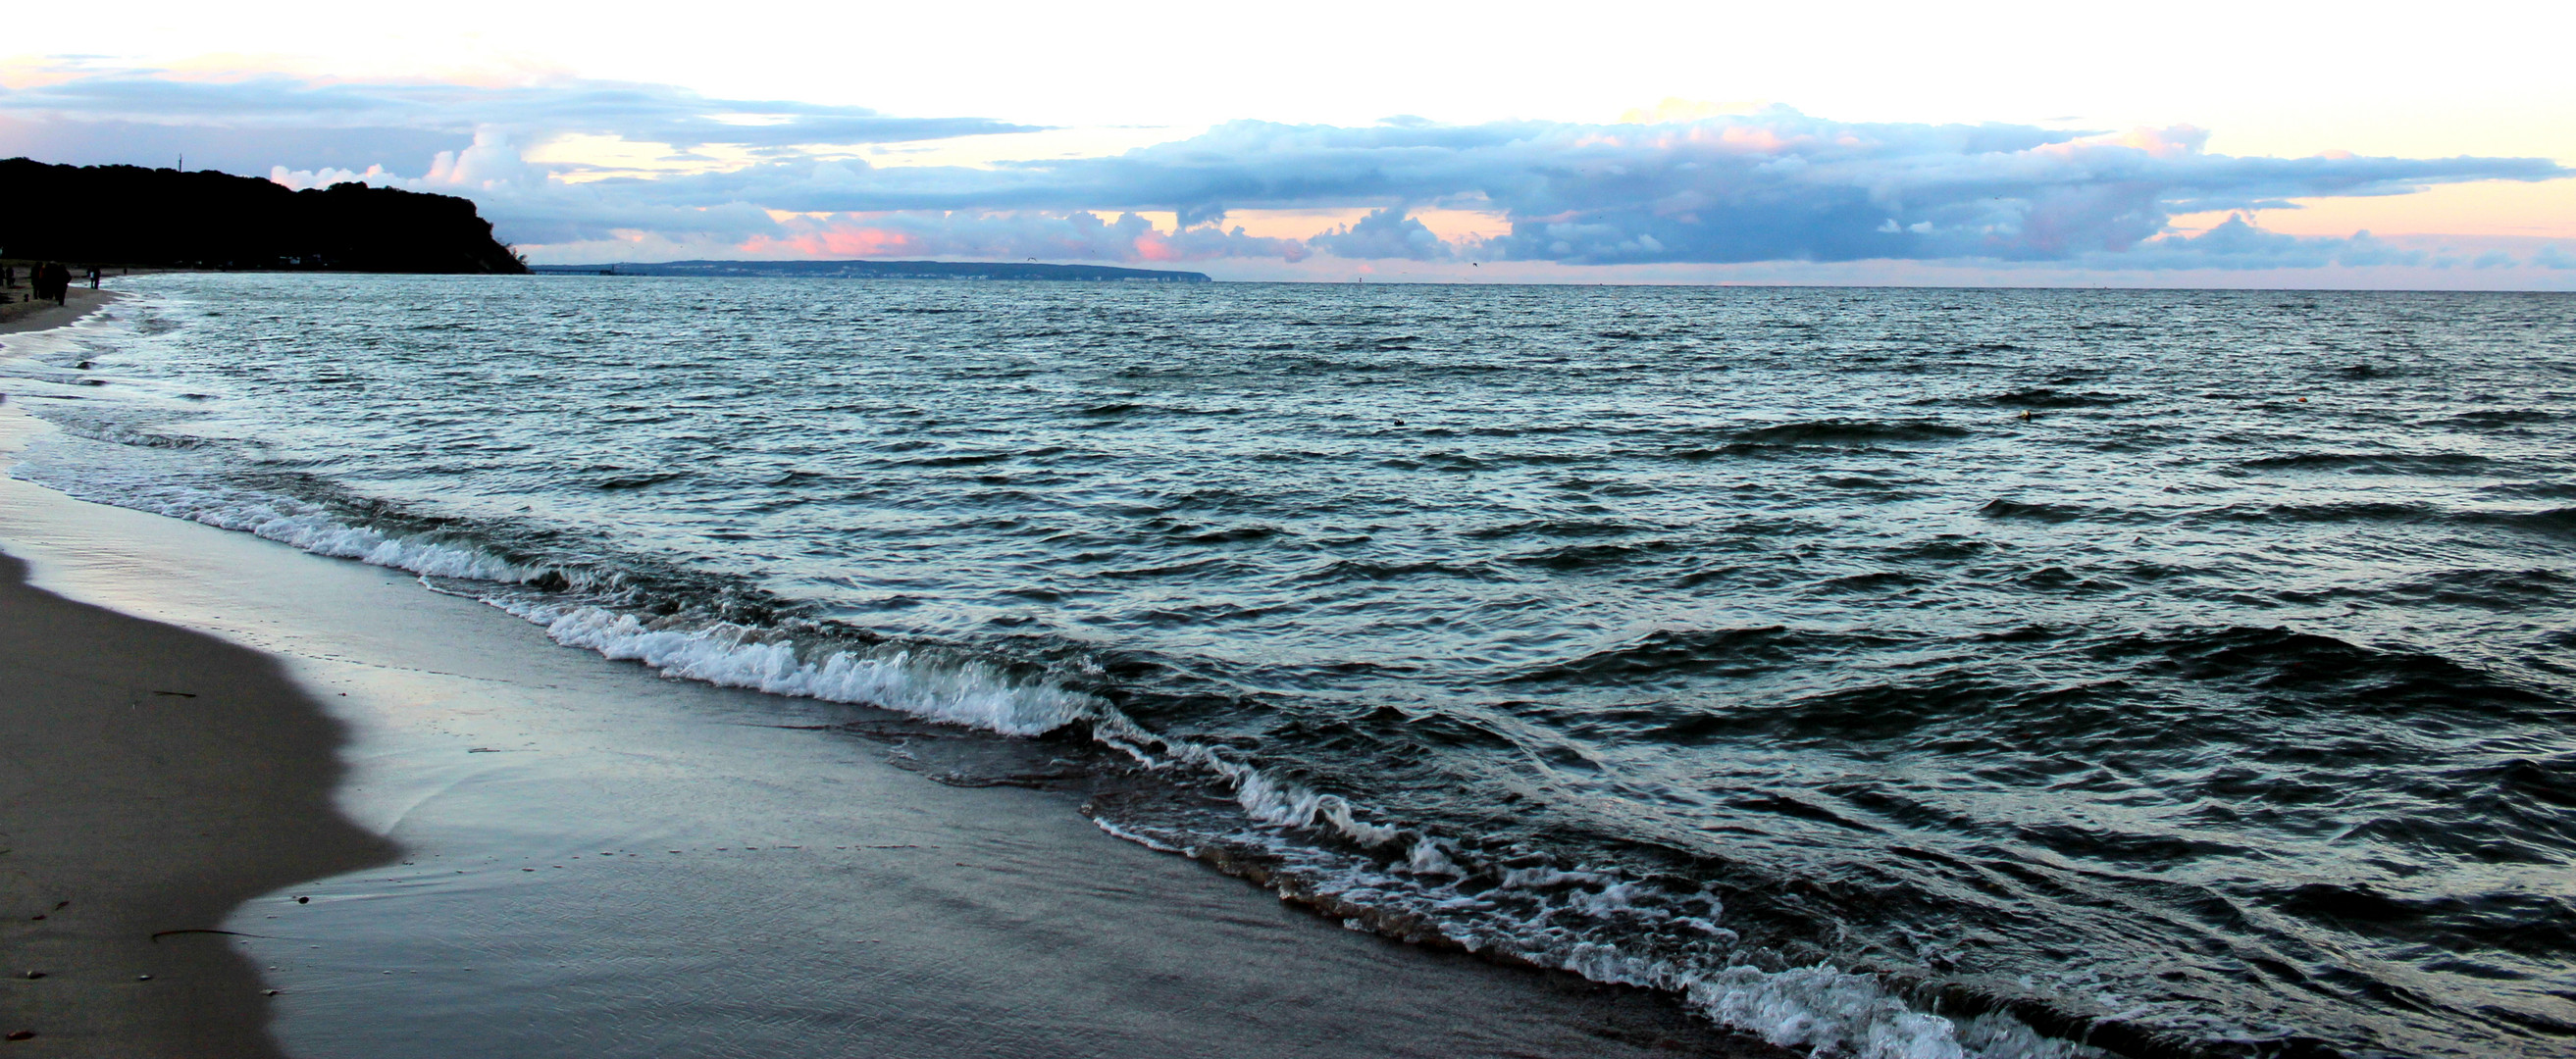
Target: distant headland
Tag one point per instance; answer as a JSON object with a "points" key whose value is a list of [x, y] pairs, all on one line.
{"points": [[165, 218], [883, 270]]}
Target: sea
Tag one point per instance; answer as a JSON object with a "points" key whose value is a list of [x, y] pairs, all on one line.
{"points": [[1884, 672]]}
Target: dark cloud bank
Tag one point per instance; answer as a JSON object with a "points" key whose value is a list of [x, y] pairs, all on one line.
{"points": [[1775, 185]]}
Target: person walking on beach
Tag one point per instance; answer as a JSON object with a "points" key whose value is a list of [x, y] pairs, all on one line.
{"points": [[93, 277], [58, 283]]}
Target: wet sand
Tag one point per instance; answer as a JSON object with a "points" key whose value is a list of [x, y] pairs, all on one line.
{"points": [[22, 316], [598, 862], [151, 779]]}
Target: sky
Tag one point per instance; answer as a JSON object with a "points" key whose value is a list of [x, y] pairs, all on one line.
{"points": [[2174, 144]]}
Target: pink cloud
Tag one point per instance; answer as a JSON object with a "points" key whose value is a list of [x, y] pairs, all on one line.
{"points": [[1078, 236]]}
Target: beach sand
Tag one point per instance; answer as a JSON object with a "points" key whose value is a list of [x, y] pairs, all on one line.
{"points": [[17, 316], [151, 780], [535, 852]]}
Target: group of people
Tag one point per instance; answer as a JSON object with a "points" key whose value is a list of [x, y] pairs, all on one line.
{"points": [[53, 281]]}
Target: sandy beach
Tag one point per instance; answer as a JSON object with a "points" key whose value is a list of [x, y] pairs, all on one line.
{"points": [[432, 833], [18, 316], [155, 779]]}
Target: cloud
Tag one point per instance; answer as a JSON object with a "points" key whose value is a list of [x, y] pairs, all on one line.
{"points": [[637, 112], [2237, 244], [1386, 233], [1079, 236], [1684, 185], [1773, 185], [234, 150], [528, 206]]}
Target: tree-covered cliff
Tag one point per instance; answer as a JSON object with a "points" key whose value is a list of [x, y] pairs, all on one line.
{"points": [[128, 215]]}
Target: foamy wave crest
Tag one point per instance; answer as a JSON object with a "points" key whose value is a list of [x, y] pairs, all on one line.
{"points": [[418, 554], [1997, 1034], [1263, 797], [1830, 1012], [300, 525], [1415, 887], [957, 691]]}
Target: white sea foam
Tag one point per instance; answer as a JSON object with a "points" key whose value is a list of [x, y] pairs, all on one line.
{"points": [[413, 552], [1999, 1034], [1826, 1012], [1139, 838], [291, 522], [1821, 1010], [958, 691]]}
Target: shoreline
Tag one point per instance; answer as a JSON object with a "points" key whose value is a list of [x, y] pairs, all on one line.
{"points": [[26, 317], [156, 779], [597, 861]]}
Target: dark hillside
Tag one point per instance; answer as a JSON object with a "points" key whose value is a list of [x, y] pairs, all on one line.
{"points": [[128, 215]]}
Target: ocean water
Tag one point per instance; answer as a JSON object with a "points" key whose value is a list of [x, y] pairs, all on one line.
{"points": [[1884, 672]]}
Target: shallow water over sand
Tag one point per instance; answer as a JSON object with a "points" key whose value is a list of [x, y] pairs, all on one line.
{"points": [[2186, 668]]}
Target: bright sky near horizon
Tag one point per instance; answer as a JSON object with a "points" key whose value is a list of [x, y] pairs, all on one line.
{"points": [[1447, 132]]}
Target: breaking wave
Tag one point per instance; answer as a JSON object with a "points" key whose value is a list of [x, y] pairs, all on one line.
{"points": [[1971, 704]]}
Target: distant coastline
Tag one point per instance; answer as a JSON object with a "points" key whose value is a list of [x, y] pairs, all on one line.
{"points": [[1002, 270]]}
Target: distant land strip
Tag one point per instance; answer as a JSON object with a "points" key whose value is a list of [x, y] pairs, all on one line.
{"points": [[127, 215], [882, 270]]}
